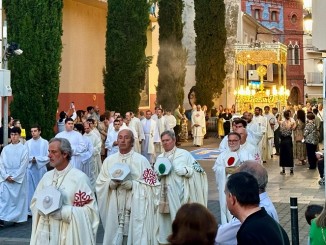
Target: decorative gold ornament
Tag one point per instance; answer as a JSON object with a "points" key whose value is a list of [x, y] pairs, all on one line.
{"points": [[251, 95]]}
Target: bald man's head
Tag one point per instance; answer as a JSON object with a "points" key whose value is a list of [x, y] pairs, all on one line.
{"points": [[258, 171]]}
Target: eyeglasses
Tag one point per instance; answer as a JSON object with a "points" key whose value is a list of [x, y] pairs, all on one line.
{"points": [[233, 141]]}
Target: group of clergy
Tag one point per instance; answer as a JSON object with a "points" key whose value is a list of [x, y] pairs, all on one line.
{"points": [[147, 130], [21, 168], [141, 210], [251, 139], [138, 209]]}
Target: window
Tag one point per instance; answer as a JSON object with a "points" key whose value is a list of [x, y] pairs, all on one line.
{"points": [[273, 16], [257, 11], [290, 54], [294, 19], [293, 54], [296, 55], [257, 14]]}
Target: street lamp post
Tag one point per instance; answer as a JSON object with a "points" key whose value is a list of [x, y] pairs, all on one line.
{"points": [[3, 37], [5, 98]]}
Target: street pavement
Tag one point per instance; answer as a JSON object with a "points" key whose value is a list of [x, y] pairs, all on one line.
{"points": [[303, 185]]}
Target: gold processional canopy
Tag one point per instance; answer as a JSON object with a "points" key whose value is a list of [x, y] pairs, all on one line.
{"points": [[262, 54]]}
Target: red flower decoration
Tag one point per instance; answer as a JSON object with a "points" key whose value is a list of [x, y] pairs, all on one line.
{"points": [[231, 161], [149, 176], [81, 199]]}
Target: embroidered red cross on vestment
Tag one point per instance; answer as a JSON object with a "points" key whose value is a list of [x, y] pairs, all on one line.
{"points": [[81, 199], [149, 176]]}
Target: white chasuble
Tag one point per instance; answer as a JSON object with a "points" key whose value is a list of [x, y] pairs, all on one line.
{"points": [[128, 213], [80, 219]]}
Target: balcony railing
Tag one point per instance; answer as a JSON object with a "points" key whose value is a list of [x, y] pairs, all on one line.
{"points": [[314, 78]]}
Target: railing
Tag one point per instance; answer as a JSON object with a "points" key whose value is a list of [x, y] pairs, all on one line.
{"points": [[314, 78]]}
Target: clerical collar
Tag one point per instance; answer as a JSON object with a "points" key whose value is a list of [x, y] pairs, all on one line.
{"points": [[169, 153], [60, 175], [127, 155], [64, 171]]}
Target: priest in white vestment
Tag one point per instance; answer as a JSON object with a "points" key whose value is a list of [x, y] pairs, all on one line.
{"points": [[198, 125], [138, 127], [236, 124], [187, 182], [151, 137], [253, 128], [262, 123], [97, 146], [161, 127], [38, 158], [170, 120], [77, 220], [267, 150], [87, 161], [13, 180], [76, 142], [120, 120], [111, 143], [128, 208], [226, 163], [155, 115], [132, 129]]}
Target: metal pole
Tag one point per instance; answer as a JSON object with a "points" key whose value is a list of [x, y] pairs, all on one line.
{"points": [[5, 98], [294, 220]]}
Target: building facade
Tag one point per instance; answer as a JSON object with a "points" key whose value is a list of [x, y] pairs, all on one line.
{"points": [[83, 56], [284, 18], [315, 46]]}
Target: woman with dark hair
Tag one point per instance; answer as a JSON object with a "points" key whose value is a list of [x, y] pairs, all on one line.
{"points": [[61, 121], [286, 145], [81, 117], [311, 139], [299, 147], [193, 224], [318, 229]]}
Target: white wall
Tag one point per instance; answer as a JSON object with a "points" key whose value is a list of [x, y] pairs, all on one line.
{"points": [[318, 26]]}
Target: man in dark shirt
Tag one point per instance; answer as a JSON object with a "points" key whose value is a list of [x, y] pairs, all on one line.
{"points": [[242, 197]]}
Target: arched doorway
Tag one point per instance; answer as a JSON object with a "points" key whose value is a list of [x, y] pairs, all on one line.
{"points": [[294, 96]]}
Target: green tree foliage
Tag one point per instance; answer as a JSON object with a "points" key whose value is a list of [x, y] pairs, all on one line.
{"points": [[210, 42], [126, 63], [172, 56], [37, 27]]}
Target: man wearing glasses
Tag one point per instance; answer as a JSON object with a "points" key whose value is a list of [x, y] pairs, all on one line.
{"points": [[225, 164], [38, 159]]}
